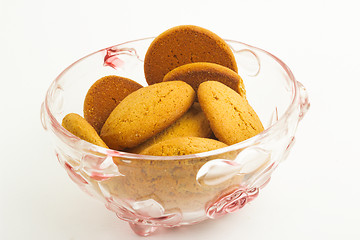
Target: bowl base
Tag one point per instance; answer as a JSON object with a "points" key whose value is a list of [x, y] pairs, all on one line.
{"points": [[142, 229]]}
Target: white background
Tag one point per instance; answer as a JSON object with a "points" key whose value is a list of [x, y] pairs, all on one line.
{"points": [[315, 194]]}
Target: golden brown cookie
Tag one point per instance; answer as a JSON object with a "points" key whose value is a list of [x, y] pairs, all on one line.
{"points": [[185, 44], [192, 124], [183, 146], [231, 117], [196, 73], [103, 96], [146, 112], [78, 126]]}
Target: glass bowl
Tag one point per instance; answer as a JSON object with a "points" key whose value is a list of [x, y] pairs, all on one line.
{"points": [[150, 191]]}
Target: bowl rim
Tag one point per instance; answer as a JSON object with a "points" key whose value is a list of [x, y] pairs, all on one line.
{"points": [[92, 148]]}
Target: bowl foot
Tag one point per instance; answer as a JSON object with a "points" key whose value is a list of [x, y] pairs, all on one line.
{"points": [[142, 229]]}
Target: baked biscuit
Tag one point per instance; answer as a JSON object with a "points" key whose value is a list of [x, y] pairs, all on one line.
{"points": [[185, 44], [196, 73], [231, 117], [78, 126], [146, 112], [103, 96], [192, 124], [183, 146]]}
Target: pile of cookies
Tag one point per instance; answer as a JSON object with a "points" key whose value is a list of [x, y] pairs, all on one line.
{"points": [[195, 100]]}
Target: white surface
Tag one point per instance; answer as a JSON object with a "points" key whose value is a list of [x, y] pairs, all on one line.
{"points": [[315, 194]]}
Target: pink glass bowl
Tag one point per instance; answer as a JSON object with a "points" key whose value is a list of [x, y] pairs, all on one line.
{"points": [[151, 192]]}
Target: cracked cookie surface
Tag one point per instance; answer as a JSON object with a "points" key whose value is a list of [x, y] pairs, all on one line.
{"points": [[231, 117], [146, 112]]}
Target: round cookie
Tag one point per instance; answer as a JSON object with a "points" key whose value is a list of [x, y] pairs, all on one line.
{"points": [[146, 112], [103, 96], [78, 126], [196, 73], [192, 124], [183, 146], [185, 44], [231, 117]]}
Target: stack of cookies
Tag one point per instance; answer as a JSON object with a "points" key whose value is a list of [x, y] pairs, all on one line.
{"points": [[195, 100]]}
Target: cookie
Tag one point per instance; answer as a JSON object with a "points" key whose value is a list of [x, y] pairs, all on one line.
{"points": [[183, 146], [231, 117], [185, 44], [103, 96], [192, 124], [78, 126], [196, 73], [145, 113]]}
